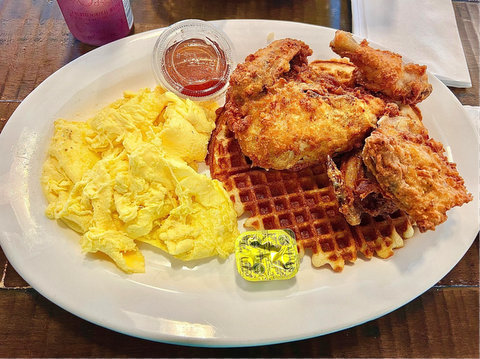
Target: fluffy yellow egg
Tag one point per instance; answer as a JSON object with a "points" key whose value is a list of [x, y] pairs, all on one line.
{"points": [[128, 174]]}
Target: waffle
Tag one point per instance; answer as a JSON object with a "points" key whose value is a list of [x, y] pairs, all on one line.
{"points": [[302, 201]]}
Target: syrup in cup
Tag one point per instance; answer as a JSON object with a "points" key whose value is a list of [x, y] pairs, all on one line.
{"points": [[193, 59]]}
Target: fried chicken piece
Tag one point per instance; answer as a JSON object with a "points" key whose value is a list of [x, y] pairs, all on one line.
{"points": [[340, 69], [412, 168], [357, 191], [383, 71], [286, 115], [264, 67]]}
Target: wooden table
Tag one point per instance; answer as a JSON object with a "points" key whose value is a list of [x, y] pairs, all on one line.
{"points": [[35, 42]]}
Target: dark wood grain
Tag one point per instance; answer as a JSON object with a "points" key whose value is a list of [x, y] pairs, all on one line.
{"points": [[34, 32], [35, 42], [411, 331], [468, 22]]}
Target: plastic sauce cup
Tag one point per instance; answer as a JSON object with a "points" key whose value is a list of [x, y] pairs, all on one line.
{"points": [[193, 59]]}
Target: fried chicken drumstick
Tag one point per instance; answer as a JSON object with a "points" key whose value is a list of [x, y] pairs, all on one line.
{"points": [[383, 71]]}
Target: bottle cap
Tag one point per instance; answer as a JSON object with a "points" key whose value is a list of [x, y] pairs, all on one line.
{"points": [[193, 59]]}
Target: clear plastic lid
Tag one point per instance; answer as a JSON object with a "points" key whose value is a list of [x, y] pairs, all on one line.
{"points": [[193, 59]]}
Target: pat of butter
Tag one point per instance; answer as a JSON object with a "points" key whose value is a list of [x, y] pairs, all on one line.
{"points": [[267, 255]]}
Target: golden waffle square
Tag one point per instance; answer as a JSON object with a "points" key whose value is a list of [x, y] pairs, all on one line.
{"points": [[303, 201]]}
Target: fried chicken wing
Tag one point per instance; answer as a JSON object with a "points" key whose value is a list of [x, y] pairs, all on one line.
{"points": [[412, 168], [383, 71], [288, 115]]}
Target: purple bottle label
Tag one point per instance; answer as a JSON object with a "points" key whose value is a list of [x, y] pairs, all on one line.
{"points": [[97, 22]]}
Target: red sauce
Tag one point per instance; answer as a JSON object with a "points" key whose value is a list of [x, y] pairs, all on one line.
{"points": [[196, 67]]}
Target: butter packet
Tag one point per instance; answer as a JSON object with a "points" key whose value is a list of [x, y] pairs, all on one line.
{"points": [[267, 255]]}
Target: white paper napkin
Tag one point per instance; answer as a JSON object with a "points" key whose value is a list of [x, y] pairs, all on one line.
{"points": [[424, 31]]}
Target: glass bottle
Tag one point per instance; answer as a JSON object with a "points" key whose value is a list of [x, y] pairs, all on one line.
{"points": [[97, 22]]}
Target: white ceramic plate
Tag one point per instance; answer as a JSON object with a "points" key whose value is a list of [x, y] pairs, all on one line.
{"points": [[208, 304]]}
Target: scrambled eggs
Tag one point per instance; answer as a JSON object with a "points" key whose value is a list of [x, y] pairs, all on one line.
{"points": [[128, 174]]}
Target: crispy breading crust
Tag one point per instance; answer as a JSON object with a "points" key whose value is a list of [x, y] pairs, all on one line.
{"points": [[341, 70], [383, 71], [413, 169], [264, 67], [286, 115]]}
